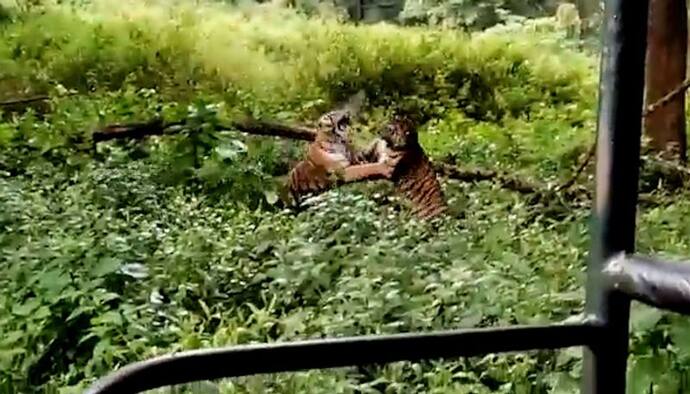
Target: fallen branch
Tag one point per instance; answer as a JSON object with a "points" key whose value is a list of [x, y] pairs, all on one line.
{"points": [[133, 131], [580, 169], [138, 131], [474, 175], [256, 127], [28, 100], [23, 101]]}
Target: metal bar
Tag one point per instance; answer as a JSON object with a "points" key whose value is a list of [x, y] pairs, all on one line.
{"points": [[661, 284], [330, 353], [618, 148]]}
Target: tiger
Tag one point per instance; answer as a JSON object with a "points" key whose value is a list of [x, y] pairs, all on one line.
{"points": [[331, 159], [413, 177]]}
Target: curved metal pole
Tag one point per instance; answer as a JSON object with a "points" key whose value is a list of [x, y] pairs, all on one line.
{"points": [[208, 364]]}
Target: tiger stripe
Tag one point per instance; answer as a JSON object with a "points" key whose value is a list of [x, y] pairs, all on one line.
{"points": [[414, 176], [331, 158]]}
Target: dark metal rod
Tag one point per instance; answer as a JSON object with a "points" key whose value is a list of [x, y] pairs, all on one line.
{"points": [[662, 284], [330, 353], [619, 127]]}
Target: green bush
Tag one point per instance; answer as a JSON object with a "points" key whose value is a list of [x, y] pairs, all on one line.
{"points": [[136, 249], [470, 14], [282, 61]]}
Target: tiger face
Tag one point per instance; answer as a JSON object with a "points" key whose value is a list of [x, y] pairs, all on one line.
{"points": [[334, 122], [400, 133]]}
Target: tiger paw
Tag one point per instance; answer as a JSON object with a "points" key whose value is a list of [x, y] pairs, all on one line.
{"points": [[389, 165]]}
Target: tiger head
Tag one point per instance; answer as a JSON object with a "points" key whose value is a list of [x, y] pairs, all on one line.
{"points": [[334, 123], [400, 132]]}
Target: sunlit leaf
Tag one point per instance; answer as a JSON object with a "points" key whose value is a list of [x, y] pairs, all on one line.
{"points": [[271, 196], [135, 270], [27, 307], [643, 318], [106, 266]]}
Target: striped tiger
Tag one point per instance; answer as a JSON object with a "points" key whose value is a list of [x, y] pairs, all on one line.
{"points": [[414, 176], [331, 160]]}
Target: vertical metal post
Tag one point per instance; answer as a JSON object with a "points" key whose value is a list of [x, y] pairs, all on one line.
{"points": [[617, 171]]}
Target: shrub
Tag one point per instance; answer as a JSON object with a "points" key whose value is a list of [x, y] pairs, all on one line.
{"points": [[143, 248]]}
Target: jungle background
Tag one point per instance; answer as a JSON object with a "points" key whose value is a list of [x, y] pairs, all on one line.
{"points": [[116, 250]]}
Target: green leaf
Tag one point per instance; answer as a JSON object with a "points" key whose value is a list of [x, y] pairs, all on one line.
{"points": [[42, 313], [101, 347], [27, 307], [135, 270], [6, 356], [563, 383], [6, 134], [644, 318], [565, 356], [80, 310], [645, 371], [271, 196], [109, 318], [105, 266], [679, 332], [231, 149], [640, 376], [12, 338], [54, 281]]}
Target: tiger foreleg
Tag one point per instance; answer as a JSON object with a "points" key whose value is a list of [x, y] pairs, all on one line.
{"points": [[375, 152], [366, 172]]}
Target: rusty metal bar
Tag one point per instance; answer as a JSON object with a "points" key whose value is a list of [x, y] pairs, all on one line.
{"points": [[621, 88], [661, 284], [236, 361]]}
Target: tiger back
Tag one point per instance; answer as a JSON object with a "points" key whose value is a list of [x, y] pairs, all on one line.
{"points": [[414, 176]]}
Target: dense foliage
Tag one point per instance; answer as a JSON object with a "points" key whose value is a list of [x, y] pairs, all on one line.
{"points": [[129, 249], [471, 14]]}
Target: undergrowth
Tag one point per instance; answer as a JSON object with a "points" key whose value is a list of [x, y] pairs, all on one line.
{"points": [[131, 249]]}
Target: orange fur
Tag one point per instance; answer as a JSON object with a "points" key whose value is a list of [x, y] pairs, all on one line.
{"points": [[330, 159], [414, 176]]}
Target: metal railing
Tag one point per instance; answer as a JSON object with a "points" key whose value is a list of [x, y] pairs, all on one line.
{"points": [[615, 277]]}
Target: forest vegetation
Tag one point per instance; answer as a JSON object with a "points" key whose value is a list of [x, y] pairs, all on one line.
{"points": [[115, 251]]}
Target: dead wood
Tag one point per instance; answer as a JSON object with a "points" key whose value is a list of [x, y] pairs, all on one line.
{"points": [[23, 101], [256, 127], [138, 131], [131, 131], [26, 101], [476, 174]]}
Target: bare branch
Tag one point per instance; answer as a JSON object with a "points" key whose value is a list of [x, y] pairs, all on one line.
{"points": [[18, 102], [137, 131], [583, 165], [474, 175], [133, 131], [257, 127]]}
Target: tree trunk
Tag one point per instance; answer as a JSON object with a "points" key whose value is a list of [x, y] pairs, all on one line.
{"points": [[587, 8], [667, 48]]}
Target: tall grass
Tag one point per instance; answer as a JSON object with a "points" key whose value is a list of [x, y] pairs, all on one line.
{"points": [[275, 62], [273, 56]]}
